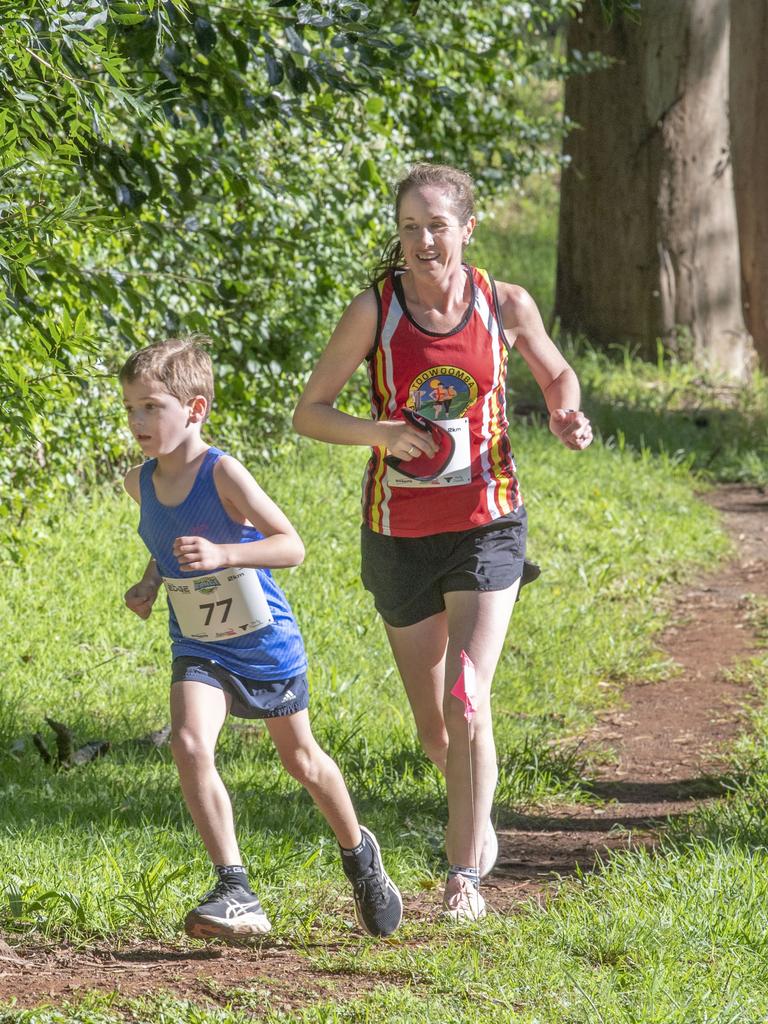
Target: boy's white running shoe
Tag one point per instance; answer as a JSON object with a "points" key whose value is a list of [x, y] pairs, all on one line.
{"points": [[462, 901], [228, 911], [489, 851]]}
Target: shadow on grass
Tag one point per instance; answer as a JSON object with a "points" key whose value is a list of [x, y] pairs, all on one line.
{"points": [[728, 443], [714, 427], [220, 950], [603, 823], [628, 794], [534, 847], [133, 786], [128, 789]]}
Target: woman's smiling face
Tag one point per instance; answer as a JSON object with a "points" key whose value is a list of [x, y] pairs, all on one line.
{"points": [[431, 235]]}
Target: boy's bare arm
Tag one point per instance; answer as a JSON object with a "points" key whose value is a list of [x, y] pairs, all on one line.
{"points": [[141, 596], [244, 499], [132, 485]]}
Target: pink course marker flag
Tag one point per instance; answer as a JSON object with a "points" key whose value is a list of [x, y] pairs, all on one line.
{"points": [[465, 687]]}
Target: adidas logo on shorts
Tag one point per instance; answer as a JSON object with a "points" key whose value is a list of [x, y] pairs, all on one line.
{"points": [[288, 696]]}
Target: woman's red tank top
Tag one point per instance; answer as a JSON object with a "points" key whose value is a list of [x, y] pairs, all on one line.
{"points": [[458, 380]]}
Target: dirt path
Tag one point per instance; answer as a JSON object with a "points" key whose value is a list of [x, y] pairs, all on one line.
{"points": [[665, 743], [663, 748]]}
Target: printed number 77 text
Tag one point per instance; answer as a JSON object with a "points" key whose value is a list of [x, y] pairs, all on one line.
{"points": [[227, 602]]}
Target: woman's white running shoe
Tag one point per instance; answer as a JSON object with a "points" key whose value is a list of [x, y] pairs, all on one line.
{"points": [[462, 901]]}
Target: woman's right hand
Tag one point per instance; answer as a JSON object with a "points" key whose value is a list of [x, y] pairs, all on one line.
{"points": [[405, 441]]}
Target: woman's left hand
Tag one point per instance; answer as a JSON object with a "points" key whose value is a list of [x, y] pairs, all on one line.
{"points": [[572, 427]]}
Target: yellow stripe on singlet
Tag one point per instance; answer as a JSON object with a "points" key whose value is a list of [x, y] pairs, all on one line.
{"points": [[500, 476]]}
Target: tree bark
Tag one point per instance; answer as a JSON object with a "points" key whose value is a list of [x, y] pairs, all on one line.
{"points": [[749, 145], [648, 245]]}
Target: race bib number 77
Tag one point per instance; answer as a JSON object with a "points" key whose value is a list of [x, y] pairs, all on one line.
{"points": [[219, 606]]}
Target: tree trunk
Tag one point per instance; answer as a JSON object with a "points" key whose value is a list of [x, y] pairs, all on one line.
{"points": [[749, 145], [648, 245]]}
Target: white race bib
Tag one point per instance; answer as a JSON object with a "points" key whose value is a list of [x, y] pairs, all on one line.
{"points": [[459, 469], [219, 606]]}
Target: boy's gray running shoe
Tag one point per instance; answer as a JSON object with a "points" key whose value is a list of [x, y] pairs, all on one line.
{"points": [[378, 903], [228, 911]]}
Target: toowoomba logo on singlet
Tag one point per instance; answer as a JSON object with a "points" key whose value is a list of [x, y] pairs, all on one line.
{"points": [[442, 393]]}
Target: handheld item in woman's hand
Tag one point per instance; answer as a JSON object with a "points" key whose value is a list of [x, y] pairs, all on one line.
{"points": [[425, 467]]}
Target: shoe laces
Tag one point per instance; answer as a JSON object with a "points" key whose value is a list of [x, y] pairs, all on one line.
{"points": [[466, 896], [222, 889], [370, 887]]}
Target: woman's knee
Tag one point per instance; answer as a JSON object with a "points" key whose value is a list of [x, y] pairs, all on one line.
{"points": [[434, 743], [457, 726]]}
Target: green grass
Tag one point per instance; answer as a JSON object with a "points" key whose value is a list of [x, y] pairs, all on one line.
{"points": [[720, 429]]}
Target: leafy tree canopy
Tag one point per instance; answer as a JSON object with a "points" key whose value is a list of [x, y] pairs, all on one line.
{"points": [[221, 167]]}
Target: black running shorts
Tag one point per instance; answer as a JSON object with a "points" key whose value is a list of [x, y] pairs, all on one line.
{"points": [[408, 576]]}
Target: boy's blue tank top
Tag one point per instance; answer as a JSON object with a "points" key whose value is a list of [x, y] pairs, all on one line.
{"points": [[275, 652]]}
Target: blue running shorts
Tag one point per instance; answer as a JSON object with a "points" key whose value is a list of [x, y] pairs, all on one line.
{"points": [[251, 698]]}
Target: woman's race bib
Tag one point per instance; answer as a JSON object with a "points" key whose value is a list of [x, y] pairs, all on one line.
{"points": [[219, 606], [459, 469]]}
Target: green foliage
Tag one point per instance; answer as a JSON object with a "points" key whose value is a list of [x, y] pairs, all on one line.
{"points": [[516, 239], [222, 168], [64, 91]]}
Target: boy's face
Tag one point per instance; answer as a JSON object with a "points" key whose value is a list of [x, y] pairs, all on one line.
{"points": [[157, 419]]}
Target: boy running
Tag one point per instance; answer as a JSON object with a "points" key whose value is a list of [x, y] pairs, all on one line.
{"points": [[213, 536]]}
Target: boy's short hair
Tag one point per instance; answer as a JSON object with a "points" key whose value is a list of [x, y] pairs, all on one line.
{"points": [[181, 365]]}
